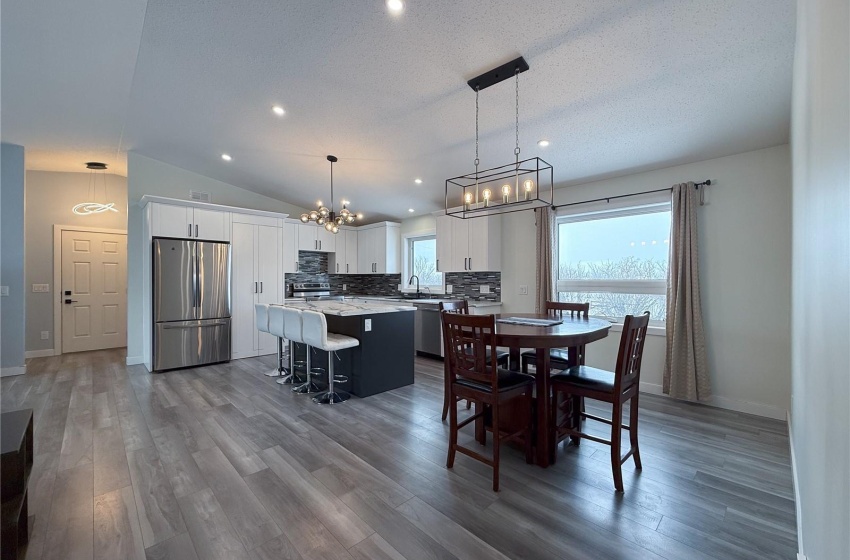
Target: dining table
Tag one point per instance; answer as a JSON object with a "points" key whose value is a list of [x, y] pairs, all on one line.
{"points": [[572, 333]]}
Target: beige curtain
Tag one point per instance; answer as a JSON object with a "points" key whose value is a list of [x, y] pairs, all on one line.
{"points": [[545, 278], [685, 372]]}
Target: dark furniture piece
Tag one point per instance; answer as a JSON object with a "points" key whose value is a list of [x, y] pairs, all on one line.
{"points": [[474, 374], [571, 333], [462, 306], [559, 358], [615, 387], [15, 468]]}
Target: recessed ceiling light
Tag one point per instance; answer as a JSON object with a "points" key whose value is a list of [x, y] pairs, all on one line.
{"points": [[542, 143], [226, 157], [418, 181], [410, 209], [395, 6], [278, 110]]}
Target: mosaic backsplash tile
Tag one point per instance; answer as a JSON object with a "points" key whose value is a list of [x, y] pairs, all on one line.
{"points": [[313, 267]]}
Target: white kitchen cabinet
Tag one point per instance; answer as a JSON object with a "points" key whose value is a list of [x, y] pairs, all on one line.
{"points": [[186, 222], [289, 248], [345, 257], [313, 237], [472, 245], [379, 249], [444, 243], [257, 277]]}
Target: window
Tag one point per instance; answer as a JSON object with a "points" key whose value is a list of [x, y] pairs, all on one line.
{"points": [[616, 260], [421, 260]]}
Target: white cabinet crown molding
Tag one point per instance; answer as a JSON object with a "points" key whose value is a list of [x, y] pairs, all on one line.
{"points": [[146, 199]]}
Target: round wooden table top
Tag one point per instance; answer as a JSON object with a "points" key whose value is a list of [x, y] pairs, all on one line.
{"points": [[570, 332]]}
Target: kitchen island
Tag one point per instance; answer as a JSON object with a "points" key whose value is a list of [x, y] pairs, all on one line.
{"points": [[384, 359]]}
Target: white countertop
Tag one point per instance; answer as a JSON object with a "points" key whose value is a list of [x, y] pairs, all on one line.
{"points": [[349, 308], [470, 302]]}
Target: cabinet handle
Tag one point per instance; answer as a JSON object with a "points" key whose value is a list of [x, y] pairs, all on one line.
{"points": [[470, 263], [346, 268], [190, 230], [438, 265], [255, 288], [196, 230], [320, 245], [337, 268], [261, 287], [296, 266]]}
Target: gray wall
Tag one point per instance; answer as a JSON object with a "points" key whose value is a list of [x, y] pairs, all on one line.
{"points": [[820, 422], [12, 316], [146, 176], [50, 196]]}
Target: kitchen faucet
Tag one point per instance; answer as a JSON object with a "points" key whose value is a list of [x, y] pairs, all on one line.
{"points": [[409, 282]]}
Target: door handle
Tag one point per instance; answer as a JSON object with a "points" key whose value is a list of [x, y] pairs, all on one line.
{"points": [[70, 301], [196, 230]]}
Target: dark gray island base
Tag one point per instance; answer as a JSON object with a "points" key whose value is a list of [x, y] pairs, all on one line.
{"points": [[384, 359]]}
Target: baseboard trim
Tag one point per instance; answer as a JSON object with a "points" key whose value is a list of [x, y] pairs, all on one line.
{"points": [[795, 481], [747, 407], [135, 360], [10, 371], [40, 353]]}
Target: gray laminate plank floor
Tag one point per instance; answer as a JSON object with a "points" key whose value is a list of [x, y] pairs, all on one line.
{"points": [[221, 462]]}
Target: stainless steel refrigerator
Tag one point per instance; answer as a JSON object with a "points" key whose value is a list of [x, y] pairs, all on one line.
{"points": [[191, 303]]}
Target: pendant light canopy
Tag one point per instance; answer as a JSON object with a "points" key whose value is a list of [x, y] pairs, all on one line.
{"points": [[325, 216], [521, 185]]}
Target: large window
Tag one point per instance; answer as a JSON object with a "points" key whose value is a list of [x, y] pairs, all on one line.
{"points": [[421, 256], [616, 260]]}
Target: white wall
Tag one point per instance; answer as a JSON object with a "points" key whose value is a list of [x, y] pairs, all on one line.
{"points": [[745, 274], [12, 315], [820, 423], [146, 176], [50, 196]]}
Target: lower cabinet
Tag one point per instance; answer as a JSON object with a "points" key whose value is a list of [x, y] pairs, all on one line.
{"points": [[257, 278]]}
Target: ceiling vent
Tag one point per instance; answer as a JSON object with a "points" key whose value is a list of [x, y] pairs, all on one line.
{"points": [[199, 196]]}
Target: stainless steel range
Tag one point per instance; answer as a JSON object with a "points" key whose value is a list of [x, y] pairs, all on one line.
{"points": [[313, 291]]}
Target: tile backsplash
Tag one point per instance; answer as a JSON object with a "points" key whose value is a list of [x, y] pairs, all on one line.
{"points": [[313, 267]]}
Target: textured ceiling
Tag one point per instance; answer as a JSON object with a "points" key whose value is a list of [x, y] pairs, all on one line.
{"points": [[615, 86]]}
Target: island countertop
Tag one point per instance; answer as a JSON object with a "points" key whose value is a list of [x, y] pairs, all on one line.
{"points": [[348, 308]]}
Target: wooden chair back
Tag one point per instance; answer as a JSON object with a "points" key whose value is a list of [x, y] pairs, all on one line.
{"points": [[560, 309], [627, 372], [457, 306], [465, 346]]}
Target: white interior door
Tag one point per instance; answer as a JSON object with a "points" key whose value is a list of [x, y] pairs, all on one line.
{"points": [[94, 271], [243, 291]]}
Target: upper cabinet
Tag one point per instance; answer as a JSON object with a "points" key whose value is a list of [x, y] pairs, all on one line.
{"points": [[379, 248], [289, 250], [472, 245], [345, 257], [312, 237], [187, 222]]}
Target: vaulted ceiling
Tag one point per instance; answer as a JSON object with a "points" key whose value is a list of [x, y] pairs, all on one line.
{"points": [[614, 86]]}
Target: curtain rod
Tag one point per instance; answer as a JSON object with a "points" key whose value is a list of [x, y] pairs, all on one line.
{"points": [[705, 183]]}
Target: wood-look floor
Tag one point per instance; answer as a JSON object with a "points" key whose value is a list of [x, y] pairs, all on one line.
{"points": [[221, 462]]}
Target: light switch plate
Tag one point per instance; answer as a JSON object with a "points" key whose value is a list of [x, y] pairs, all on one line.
{"points": [[45, 335], [448, 288], [4, 290], [367, 325], [345, 287], [41, 288], [485, 289], [523, 289]]}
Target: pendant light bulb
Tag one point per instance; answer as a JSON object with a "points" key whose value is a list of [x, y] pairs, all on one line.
{"points": [[305, 218], [329, 226]]}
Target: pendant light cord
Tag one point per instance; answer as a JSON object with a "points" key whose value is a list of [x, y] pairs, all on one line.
{"points": [[332, 187], [477, 161], [516, 150]]}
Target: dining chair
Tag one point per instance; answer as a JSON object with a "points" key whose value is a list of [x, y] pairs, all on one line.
{"points": [[462, 306], [617, 387], [474, 374], [559, 358]]}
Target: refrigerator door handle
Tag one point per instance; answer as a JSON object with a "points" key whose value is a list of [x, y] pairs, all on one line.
{"points": [[195, 325]]}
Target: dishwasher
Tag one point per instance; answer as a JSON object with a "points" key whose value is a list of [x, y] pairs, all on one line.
{"points": [[427, 329]]}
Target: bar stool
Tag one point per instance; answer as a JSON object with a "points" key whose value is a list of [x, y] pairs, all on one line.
{"points": [[316, 334], [291, 319], [276, 328], [293, 328], [261, 311]]}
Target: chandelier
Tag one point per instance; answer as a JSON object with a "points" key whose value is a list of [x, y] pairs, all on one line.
{"points": [[521, 185], [327, 217], [88, 208]]}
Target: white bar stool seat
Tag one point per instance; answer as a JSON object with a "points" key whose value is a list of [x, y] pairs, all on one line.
{"points": [[261, 312], [315, 332]]}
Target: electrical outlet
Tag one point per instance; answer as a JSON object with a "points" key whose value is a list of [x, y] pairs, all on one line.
{"points": [[345, 287], [40, 288], [367, 325], [448, 288], [45, 335], [4, 290], [484, 289], [523, 289]]}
